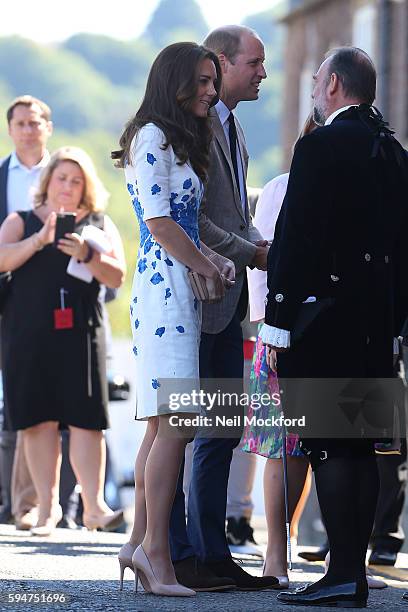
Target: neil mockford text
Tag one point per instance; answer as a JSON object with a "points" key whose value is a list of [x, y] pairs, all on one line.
{"points": [[200, 420]]}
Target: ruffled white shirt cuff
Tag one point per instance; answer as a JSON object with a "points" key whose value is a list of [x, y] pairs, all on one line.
{"points": [[275, 336]]}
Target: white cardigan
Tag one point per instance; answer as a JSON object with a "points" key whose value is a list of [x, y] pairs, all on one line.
{"points": [[266, 215]]}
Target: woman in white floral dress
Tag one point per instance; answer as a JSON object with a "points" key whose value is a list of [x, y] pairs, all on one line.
{"points": [[165, 150], [165, 314]]}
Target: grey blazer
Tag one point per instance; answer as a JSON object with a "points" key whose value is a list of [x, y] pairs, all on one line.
{"points": [[224, 226]]}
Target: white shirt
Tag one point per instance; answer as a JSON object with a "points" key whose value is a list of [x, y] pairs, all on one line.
{"points": [[22, 183], [332, 117], [223, 114], [266, 214]]}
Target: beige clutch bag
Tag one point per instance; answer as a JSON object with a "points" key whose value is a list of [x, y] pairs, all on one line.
{"points": [[204, 289], [199, 286]]}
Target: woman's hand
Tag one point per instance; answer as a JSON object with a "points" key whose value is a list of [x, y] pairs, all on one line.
{"points": [[74, 246], [215, 285], [225, 266], [47, 232]]}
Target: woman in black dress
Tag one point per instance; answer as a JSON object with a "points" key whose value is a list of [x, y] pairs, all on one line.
{"points": [[53, 345]]}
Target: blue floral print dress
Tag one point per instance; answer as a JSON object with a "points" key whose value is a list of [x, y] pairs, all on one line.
{"points": [[165, 315]]}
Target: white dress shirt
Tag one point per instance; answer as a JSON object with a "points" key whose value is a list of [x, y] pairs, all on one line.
{"points": [[22, 183], [332, 117], [223, 114]]}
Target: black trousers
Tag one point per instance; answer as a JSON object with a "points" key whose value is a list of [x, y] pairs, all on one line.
{"points": [[388, 533]]}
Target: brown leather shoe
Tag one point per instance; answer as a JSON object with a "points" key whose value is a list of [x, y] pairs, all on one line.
{"points": [[25, 522], [192, 573]]}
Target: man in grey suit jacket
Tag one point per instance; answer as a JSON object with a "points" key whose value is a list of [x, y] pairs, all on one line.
{"points": [[200, 554], [225, 222]]}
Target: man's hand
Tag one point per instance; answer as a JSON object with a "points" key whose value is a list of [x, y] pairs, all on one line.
{"points": [[261, 256]]}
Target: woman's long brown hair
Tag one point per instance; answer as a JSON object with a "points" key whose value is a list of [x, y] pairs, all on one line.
{"points": [[170, 91]]}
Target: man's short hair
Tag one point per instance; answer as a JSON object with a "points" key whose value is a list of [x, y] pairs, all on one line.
{"points": [[356, 72], [227, 40], [29, 101]]}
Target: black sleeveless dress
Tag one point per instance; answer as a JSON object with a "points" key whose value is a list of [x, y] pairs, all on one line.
{"points": [[53, 374]]}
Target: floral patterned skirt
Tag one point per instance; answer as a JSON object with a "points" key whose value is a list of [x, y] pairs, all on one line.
{"points": [[261, 439]]}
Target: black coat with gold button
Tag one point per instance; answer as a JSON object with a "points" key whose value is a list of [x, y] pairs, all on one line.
{"points": [[342, 233]]}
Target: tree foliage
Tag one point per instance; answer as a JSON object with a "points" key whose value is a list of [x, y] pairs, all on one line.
{"points": [[176, 15], [123, 63], [79, 95]]}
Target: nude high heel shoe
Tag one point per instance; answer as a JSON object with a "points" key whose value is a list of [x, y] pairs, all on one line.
{"points": [[105, 522], [125, 560], [50, 524], [143, 570]]}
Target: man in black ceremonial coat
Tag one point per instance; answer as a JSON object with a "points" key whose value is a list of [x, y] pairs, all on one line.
{"points": [[341, 246]]}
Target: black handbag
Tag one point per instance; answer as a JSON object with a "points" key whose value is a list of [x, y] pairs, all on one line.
{"points": [[5, 288]]}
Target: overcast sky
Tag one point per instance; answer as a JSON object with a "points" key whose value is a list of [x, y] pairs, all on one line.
{"points": [[50, 20]]}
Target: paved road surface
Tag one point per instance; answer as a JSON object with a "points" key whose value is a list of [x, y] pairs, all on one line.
{"points": [[82, 566]]}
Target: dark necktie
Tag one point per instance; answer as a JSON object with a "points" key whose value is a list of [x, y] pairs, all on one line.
{"points": [[233, 147]]}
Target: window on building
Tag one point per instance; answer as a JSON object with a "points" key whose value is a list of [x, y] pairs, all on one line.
{"points": [[364, 29]]}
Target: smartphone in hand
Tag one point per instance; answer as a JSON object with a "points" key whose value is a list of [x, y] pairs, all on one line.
{"points": [[65, 225]]}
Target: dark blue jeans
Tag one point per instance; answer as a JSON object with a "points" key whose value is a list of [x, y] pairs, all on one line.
{"points": [[221, 356]]}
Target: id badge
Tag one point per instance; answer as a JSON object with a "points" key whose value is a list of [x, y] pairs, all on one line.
{"points": [[63, 318]]}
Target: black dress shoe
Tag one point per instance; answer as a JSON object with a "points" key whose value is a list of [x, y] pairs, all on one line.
{"points": [[344, 595], [243, 580], [194, 574], [316, 555], [382, 557], [405, 596]]}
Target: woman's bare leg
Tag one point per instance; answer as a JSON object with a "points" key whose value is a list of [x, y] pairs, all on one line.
{"points": [[87, 454], [139, 520], [275, 559], [161, 475], [42, 447]]}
